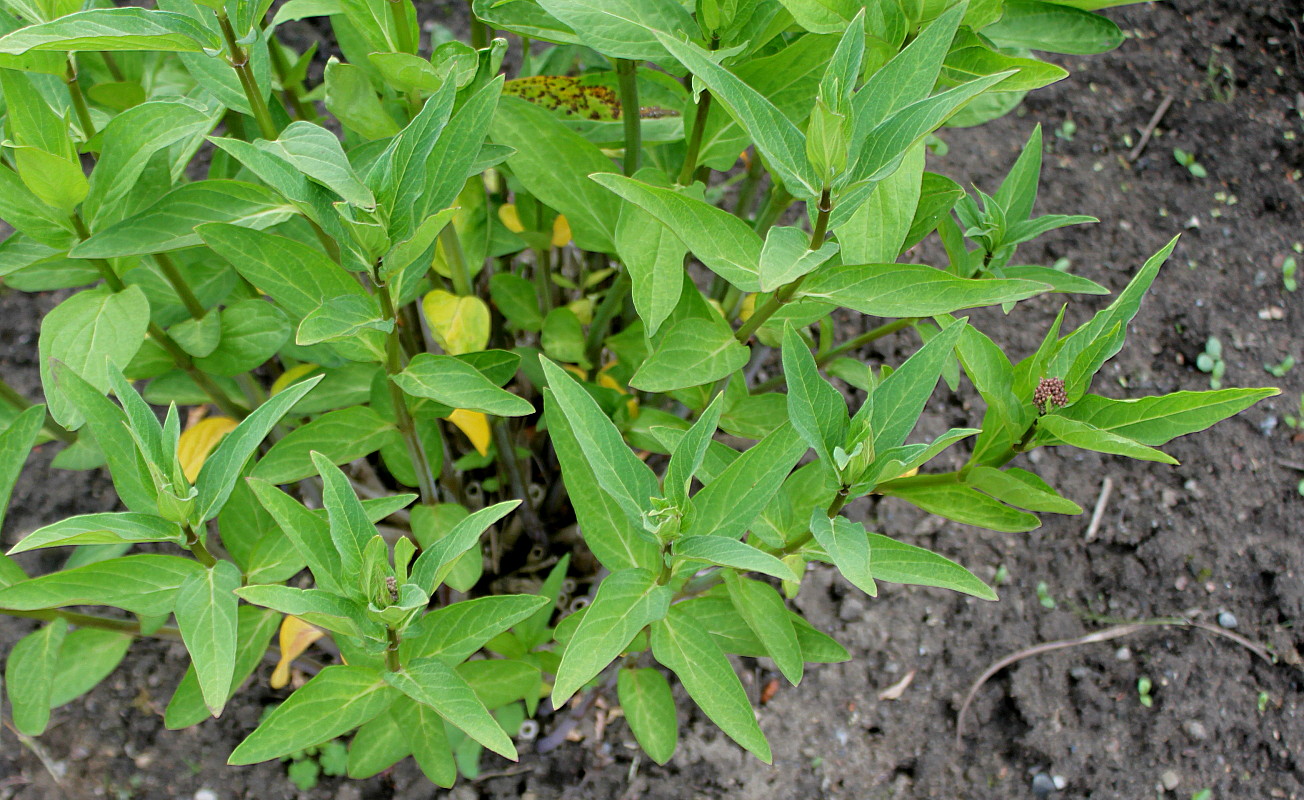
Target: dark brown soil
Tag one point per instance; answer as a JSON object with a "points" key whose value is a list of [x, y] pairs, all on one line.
{"points": [[1221, 534]]}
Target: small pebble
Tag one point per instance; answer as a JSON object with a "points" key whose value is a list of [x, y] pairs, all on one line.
{"points": [[1228, 620], [1171, 780], [1042, 785], [1196, 730], [205, 794], [1060, 782], [1123, 654], [1268, 425]]}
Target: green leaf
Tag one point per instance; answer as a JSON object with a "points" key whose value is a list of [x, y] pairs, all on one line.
{"points": [[515, 298], [141, 584], [786, 257], [775, 135], [337, 700], [763, 609], [349, 526], [169, 224], [29, 676], [822, 16], [456, 383], [88, 332], [86, 657], [455, 632], [689, 452], [900, 398], [877, 232], [435, 562], [910, 290], [897, 562], [1055, 28], [938, 194], [1062, 282], [105, 528], [316, 607], [553, 164], [433, 683], [731, 553], [908, 78], [254, 629], [1158, 420], [654, 257], [223, 466], [350, 98], [309, 534], [498, 682], [316, 152], [428, 740], [378, 745], [107, 426], [1020, 488], [848, 546], [115, 29], [817, 410], [693, 352], [252, 331], [961, 503], [626, 602], [623, 28], [16, 442], [206, 614], [1054, 429], [58, 181], [731, 501], [685, 647], [644, 695], [342, 436], [724, 243]]}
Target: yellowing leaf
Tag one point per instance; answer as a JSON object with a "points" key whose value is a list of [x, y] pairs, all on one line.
{"points": [[609, 382], [561, 232], [459, 324], [296, 636], [747, 308], [476, 427], [510, 217], [583, 309], [713, 303], [577, 371], [197, 441], [290, 376], [572, 96]]}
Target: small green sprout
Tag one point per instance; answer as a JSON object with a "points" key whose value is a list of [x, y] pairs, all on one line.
{"points": [[1143, 687], [1203, 794], [1279, 369], [1188, 160], [1288, 268], [1211, 362], [1066, 131], [1293, 421], [1043, 595], [1002, 576], [1262, 702]]}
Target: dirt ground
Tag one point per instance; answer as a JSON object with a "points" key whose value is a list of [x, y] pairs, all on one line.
{"points": [[1219, 539]]}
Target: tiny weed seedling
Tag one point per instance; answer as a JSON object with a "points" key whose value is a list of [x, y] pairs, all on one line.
{"points": [[1143, 689], [1288, 268], [1044, 596], [1280, 369], [1188, 160], [1297, 419], [1211, 361], [368, 361]]}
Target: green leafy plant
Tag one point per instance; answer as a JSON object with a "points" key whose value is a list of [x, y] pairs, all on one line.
{"points": [[1143, 688], [1280, 369], [417, 354], [1188, 160], [1211, 361], [1288, 269]]}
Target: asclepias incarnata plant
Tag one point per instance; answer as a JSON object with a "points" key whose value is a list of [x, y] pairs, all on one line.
{"points": [[426, 338]]}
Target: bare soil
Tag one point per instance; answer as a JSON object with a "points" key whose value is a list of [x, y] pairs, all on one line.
{"points": [[1222, 534]]}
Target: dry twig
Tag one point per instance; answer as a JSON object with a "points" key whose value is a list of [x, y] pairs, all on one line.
{"points": [[1150, 128], [1106, 487]]}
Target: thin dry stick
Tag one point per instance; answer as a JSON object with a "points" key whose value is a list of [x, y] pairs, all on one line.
{"points": [[1106, 487], [1150, 128], [1091, 638]]}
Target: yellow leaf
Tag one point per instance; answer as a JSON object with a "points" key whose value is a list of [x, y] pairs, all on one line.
{"points": [[609, 382], [476, 427], [747, 308], [459, 324], [909, 473], [583, 309], [561, 232], [510, 217], [290, 376], [198, 441], [296, 636], [576, 371]]}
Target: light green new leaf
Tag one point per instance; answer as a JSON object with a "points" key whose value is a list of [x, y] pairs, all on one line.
{"points": [[29, 676], [337, 700], [731, 501], [433, 683], [206, 615], [817, 410], [693, 352], [654, 256], [254, 629], [16, 442], [723, 242], [105, 528], [623, 28], [309, 534], [876, 233], [1020, 488], [342, 436], [1055, 28], [170, 223], [625, 603], [349, 526], [107, 425], [435, 562], [908, 78], [351, 99], [223, 466], [456, 383], [88, 332], [644, 695], [1158, 420], [897, 562], [251, 332], [1054, 429], [685, 647], [761, 606], [847, 545], [141, 584], [688, 454], [456, 631], [88, 656], [787, 256], [726, 552], [822, 16], [348, 316], [910, 290], [115, 29], [316, 152]]}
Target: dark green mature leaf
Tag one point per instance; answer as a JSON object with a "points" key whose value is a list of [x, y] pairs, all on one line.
{"points": [[910, 290], [16, 441], [525, 17], [938, 194], [342, 436], [170, 223], [114, 29], [456, 631], [1054, 429], [456, 383], [107, 426], [1158, 420], [309, 534], [761, 606], [846, 544], [316, 607], [649, 706], [252, 331], [29, 676], [435, 562], [727, 552], [623, 28], [498, 682], [428, 740], [105, 528], [900, 398], [961, 503], [626, 602], [693, 352], [908, 78], [378, 745], [433, 683], [336, 700], [877, 232], [654, 256], [1054, 27], [787, 256], [254, 628], [686, 648], [689, 452], [316, 152], [897, 562], [1020, 488], [206, 614], [86, 657], [141, 584]]}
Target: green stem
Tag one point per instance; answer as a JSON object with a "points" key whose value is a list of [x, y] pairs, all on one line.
{"points": [[775, 204], [111, 64], [525, 56], [391, 651], [81, 620], [178, 282], [605, 313], [786, 292], [479, 32], [406, 426], [747, 192], [627, 73], [291, 90], [10, 395], [456, 261], [244, 71], [396, 13], [78, 100], [196, 544], [695, 139], [511, 465], [542, 279]]}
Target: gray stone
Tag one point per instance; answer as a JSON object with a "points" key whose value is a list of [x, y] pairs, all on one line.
{"points": [[1170, 779]]}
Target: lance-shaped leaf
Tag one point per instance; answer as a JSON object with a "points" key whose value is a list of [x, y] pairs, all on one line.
{"points": [[141, 584], [88, 332], [254, 628], [693, 352], [897, 562], [106, 528], [316, 152], [847, 544], [644, 695], [170, 223], [435, 562], [87, 656], [653, 255], [1056, 430], [723, 242], [730, 502], [206, 615], [349, 526], [960, 503], [1055, 28], [309, 534], [223, 467], [686, 648], [787, 256], [623, 28], [29, 676], [316, 607], [900, 398], [456, 631], [433, 683], [817, 410], [378, 745], [456, 383], [876, 233], [1158, 420], [910, 290], [115, 29], [689, 453], [341, 436], [337, 700], [727, 552], [453, 157], [908, 78], [626, 602], [763, 609], [107, 425], [1020, 488], [16, 442]]}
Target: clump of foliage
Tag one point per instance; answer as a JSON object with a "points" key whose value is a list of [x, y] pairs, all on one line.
{"points": [[536, 303]]}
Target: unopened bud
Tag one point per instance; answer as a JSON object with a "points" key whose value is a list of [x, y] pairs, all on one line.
{"points": [[1050, 390]]}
